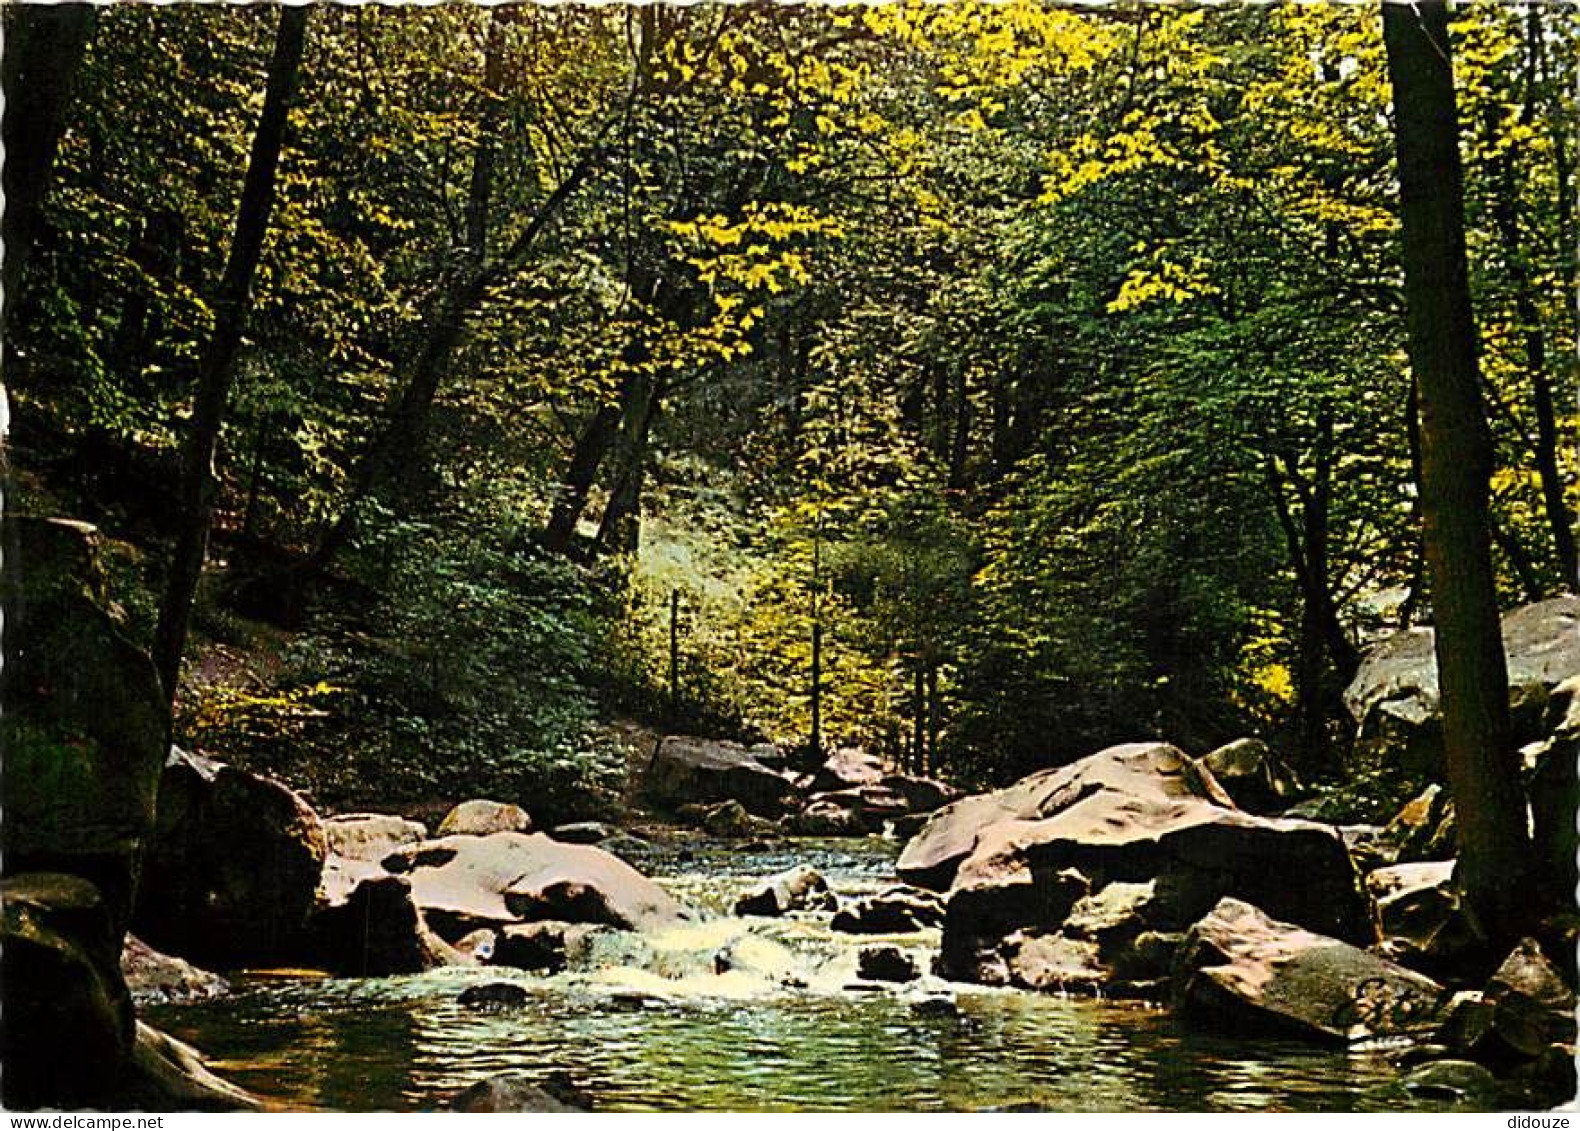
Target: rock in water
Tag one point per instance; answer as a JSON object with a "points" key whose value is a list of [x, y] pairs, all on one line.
{"points": [[82, 716], [544, 945], [480, 817], [153, 977], [704, 771], [886, 964], [1134, 815], [367, 924], [518, 1094], [234, 868], [463, 883], [584, 832], [898, 910], [796, 889], [68, 1029], [370, 836], [1241, 970], [931, 859], [494, 995]]}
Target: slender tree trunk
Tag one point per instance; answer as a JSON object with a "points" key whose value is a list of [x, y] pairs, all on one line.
{"points": [[1456, 465], [44, 46], [233, 305], [620, 526], [934, 718], [597, 438], [918, 719]]}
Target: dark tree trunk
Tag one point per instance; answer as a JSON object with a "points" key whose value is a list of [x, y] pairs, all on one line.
{"points": [[231, 309], [1456, 465], [594, 443], [44, 45], [620, 527]]}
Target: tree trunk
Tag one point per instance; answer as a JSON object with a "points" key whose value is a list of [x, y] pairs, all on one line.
{"points": [[231, 309], [598, 436], [620, 526], [1456, 465], [44, 45]]}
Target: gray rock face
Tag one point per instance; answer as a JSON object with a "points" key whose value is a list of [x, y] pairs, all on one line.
{"points": [[157, 978], [1240, 970], [82, 716], [234, 867], [68, 1029], [1394, 696], [687, 770], [463, 883], [370, 836], [479, 817]]}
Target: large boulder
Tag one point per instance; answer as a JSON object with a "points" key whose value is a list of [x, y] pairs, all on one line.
{"points": [[82, 716], [68, 1025], [1250, 773], [932, 857], [234, 868], [366, 923], [479, 817], [370, 836], [687, 770], [848, 767], [463, 883], [1136, 815], [1394, 696], [1241, 970], [1421, 919], [162, 979]]}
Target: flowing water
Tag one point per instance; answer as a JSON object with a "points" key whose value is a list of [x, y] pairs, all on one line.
{"points": [[646, 1024]]}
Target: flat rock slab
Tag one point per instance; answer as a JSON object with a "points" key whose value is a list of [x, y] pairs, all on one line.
{"points": [[465, 882], [1239, 969]]}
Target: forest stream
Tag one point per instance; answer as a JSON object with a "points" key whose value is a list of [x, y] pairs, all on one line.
{"points": [[632, 1036]]}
